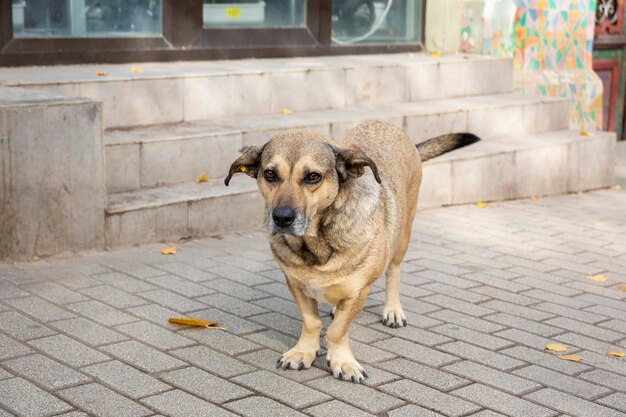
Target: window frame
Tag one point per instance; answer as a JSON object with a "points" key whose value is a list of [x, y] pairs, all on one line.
{"points": [[184, 38]]}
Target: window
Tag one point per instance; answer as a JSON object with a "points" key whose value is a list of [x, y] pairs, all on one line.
{"points": [[86, 18], [376, 21], [254, 13]]}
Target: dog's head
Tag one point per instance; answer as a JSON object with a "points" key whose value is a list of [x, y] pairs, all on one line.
{"points": [[300, 173]]}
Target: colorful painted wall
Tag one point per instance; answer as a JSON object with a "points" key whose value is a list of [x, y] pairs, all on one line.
{"points": [[551, 43]]}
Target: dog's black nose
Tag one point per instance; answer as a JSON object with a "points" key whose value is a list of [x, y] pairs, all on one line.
{"points": [[283, 216]]}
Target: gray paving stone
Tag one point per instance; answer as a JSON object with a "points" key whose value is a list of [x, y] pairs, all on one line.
{"points": [[8, 291], [279, 305], [181, 285], [530, 326], [273, 340], [616, 400], [412, 411], [566, 403], [126, 379], [73, 414], [518, 310], [156, 336], [367, 398], [416, 352], [262, 407], [143, 357], [220, 340], [604, 361], [205, 385], [587, 329], [156, 314], [455, 292], [113, 296], [415, 334], [40, 309], [366, 334], [503, 403], [68, 351], [212, 361], [10, 348], [243, 263], [545, 359], [123, 282], [234, 324], [464, 320], [576, 314], [21, 327], [266, 359], [553, 379], [607, 312], [588, 343], [549, 286], [480, 355], [487, 279], [549, 297], [589, 299], [54, 292], [336, 409], [457, 305], [477, 338], [96, 399], [605, 378], [428, 397], [427, 375], [232, 305], [279, 322], [5, 375], [281, 389], [101, 313], [185, 271], [503, 381], [88, 331], [236, 289], [489, 413], [26, 399], [525, 338], [503, 295], [45, 372], [172, 300]]}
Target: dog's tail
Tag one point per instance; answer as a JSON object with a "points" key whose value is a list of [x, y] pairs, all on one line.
{"points": [[445, 143]]}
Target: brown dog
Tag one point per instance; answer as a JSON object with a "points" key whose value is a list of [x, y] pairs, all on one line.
{"points": [[334, 229]]}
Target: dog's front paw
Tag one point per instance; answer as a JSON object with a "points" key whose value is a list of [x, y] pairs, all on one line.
{"points": [[394, 317], [344, 366], [298, 358]]}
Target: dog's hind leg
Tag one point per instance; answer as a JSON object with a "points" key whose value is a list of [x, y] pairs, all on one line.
{"points": [[393, 316], [302, 355]]}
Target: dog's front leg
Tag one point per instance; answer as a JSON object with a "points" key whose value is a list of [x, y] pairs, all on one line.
{"points": [[302, 355], [340, 357]]}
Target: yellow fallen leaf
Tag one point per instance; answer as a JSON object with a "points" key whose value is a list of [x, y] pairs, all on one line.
{"points": [[621, 287], [136, 69], [101, 73], [435, 54], [286, 111], [597, 278], [481, 204], [555, 347], [243, 168], [598, 224], [191, 321], [616, 354], [535, 198], [169, 251], [572, 358], [203, 178], [585, 133], [616, 187]]}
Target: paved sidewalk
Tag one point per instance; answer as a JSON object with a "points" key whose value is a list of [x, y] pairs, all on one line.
{"points": [[485, 289]]}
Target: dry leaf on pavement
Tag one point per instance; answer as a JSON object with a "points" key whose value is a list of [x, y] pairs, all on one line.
{"points": [[555, 347], [169, 251], [616, 354], [203, 178], [597, 278], [286, 111], [572, 358]]}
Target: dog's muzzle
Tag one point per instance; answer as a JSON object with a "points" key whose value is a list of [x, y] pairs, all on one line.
{"points": [[287, 220]]}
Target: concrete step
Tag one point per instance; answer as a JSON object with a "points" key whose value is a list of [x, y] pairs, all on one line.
{"points": [[544, 164], [188, 91], [170, 154]]}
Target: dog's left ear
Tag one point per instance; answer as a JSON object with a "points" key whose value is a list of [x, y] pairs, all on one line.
{"points": [[248, 163], [351, 163]]}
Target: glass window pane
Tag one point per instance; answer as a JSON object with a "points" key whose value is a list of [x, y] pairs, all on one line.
{"points": [[376, 21], [254, 13], [86, 18]]}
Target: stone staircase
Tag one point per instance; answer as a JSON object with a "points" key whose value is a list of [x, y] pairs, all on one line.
{"points": [[174, 122]]}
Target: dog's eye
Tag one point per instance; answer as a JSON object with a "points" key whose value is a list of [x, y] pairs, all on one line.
{"points": [[269, 175], [312, 178]]}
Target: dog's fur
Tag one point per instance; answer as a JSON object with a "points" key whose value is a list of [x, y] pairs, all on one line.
{"points": [[350, 227]]}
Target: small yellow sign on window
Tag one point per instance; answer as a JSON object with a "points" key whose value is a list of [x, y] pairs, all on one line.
{"points": [[233, 12]]}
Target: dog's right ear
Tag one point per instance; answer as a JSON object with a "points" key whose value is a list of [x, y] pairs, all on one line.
{"points": [[248, 163]]}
